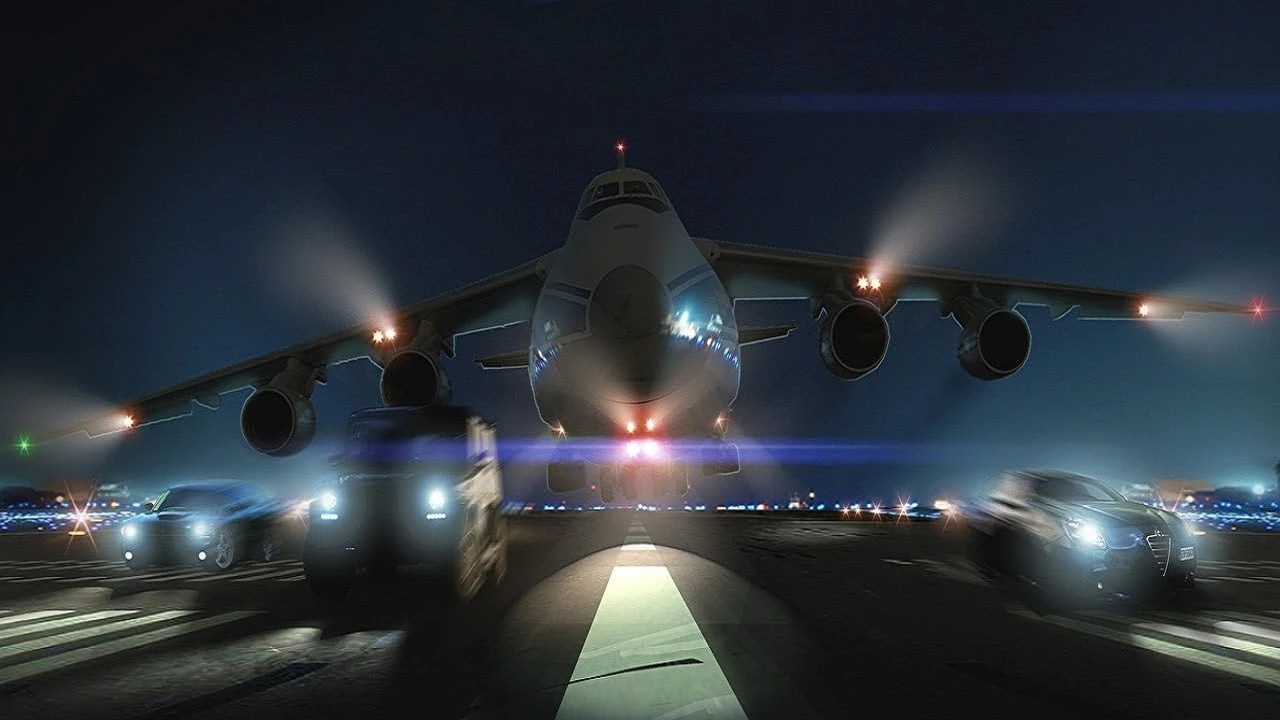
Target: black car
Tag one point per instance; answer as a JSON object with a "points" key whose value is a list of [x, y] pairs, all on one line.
{"points": [[215, 524], [1069, 531]]}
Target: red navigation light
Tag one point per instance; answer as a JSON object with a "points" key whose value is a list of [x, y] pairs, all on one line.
{"points": [[1259, 307]]}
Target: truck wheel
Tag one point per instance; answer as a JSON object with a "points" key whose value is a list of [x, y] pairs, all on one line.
{"points": [[329, 572]]}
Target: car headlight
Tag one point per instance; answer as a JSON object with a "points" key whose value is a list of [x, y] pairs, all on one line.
{"points": [[201, 529], [1085, 533], [435, 499], [129, 532], [329, 501]]}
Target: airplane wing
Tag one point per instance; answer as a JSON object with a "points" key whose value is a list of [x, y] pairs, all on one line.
{"points": [[507, 298], [755, 272]]}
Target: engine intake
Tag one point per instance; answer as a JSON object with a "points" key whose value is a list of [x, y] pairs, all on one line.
{"points": [[413, 377], [853, 339], [994, 344], [277, 422]]}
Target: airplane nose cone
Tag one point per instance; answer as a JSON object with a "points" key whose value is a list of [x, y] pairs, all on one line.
{"points": [[629, 303]]}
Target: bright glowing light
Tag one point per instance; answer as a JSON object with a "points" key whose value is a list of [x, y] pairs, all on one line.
{"points": [[201, 556], [651, 448], [200, 529], [650, 424], [941, 505], [23, 445], [558, 429], [328, 501], [435, 499], [811, 495], [875, 282], [377, 336], [1144, 310], [1258, 308], [720, 421], [631, 426], [863, 283], [620, 147], [128, 555], [129, 532], [633, 449], [126, 421], [389, 333], [1259, 489]]}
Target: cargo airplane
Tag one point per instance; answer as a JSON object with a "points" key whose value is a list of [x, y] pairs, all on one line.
{"points": [[633, 339]]}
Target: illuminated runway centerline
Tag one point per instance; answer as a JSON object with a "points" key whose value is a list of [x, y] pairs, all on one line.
{"points": [[645, 656]]}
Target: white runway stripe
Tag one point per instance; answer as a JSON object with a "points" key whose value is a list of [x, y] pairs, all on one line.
{"points": [[26, 617], [90, 578], [78, 635], [71, 658], [897, 562], [639, 547], [39, 627], [179, 576], [268, 575], [1220, 652], [229, 575], [44, 578]]}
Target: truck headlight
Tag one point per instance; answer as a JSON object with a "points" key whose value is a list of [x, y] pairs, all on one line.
{"points": [[328, 501], [1085, 533], [129, 532], [435, 499]]}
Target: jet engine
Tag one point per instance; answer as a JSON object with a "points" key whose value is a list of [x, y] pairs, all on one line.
{"points": [[853, 339], [278, 422], [414, 377], [994, 342]]}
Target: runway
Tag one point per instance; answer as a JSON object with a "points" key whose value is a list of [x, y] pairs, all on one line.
{"points": [[635, 615]]}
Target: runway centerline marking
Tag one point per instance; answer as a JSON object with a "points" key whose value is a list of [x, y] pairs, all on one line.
{"points": [[645, 656], [60, 622]]}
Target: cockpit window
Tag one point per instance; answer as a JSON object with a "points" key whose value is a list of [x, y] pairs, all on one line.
{"points": [[635, 187], [658, 191], [604, 190]]}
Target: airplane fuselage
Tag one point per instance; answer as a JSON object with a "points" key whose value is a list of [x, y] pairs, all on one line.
{"points": [[633, 333]]}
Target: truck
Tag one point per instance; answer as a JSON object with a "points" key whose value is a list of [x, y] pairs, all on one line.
{"points": [[412, 486]]}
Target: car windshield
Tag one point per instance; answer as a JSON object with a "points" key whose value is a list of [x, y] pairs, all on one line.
{"points": [[1067, 489], [190, 499]]}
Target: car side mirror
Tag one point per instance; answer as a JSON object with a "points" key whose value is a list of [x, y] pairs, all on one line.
{"points": [[148, 507]]}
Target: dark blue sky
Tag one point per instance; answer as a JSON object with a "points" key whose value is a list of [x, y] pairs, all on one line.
{"points": [[149, 156]]}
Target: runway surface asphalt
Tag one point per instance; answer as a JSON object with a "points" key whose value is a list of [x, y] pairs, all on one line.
{"points": [[624, 614]]}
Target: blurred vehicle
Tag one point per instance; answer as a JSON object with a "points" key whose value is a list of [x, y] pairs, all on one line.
{"points": [[1070, 532], [215, 524], [414, 485]]}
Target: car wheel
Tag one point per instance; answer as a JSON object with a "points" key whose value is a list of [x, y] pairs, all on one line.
{"points": [[270, 546], [225, 552]]}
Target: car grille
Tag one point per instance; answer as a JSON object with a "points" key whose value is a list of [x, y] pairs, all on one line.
{"points": [[1159, 544]]}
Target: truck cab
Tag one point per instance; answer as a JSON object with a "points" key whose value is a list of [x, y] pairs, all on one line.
{"points": [[412, 486]]}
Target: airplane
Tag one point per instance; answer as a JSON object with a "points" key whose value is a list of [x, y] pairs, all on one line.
{"points": [[633, 339]]}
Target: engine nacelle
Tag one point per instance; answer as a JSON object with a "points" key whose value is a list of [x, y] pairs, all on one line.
{"points": [[277, 422], [414, 377], [853, 339], [994, 344]]}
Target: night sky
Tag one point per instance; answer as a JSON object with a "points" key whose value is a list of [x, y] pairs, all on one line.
{"points": [[152, 156]]}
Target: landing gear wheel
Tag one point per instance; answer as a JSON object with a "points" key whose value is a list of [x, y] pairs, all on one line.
{"points": [[225, 552], [330, 573]]}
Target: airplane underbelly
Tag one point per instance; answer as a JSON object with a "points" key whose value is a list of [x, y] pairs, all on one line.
{"points": [[594, 387]]}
